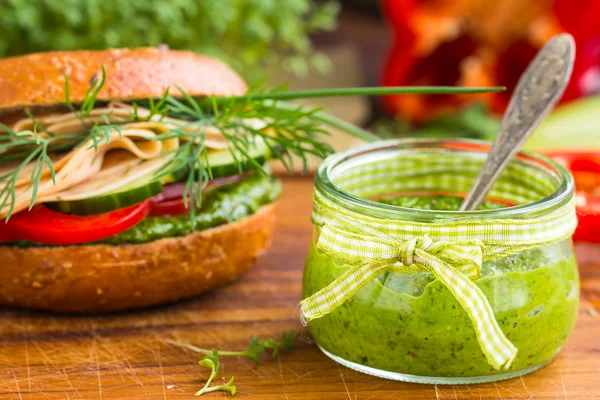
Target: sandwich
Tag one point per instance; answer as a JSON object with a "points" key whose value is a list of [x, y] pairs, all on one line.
{"points": [[118, 189]]}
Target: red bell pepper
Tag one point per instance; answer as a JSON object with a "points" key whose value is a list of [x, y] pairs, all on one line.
{"points": [[170, 201], [585, 167], [43, 225], [481, 43]]}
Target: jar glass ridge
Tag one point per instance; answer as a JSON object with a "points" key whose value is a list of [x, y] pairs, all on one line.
{"points": [[407, 326]]}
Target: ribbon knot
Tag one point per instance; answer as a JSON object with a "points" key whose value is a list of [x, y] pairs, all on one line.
{"points": [[406, 251], [356, 244], [465, 257]]}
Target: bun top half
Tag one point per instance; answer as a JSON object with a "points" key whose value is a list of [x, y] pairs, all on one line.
{"points": [[38, 80]]}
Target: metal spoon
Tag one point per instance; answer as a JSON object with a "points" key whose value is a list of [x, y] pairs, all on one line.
{"points": [[538, 90]]}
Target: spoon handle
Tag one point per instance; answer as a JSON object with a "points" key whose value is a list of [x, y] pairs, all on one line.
{"points": [[537, 91]]}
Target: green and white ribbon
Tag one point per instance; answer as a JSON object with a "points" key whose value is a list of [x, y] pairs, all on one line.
{"points": [[452, 251]]}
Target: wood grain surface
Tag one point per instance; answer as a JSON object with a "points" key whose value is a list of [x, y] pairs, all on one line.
{"points": [[123, 356]]}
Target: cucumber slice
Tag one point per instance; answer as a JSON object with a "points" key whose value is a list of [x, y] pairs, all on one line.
{"points": [[223, 164], [108, 202], [177, 175]]}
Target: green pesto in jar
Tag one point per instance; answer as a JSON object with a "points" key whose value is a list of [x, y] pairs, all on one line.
{"points": [[436, 202], [411, 324]]}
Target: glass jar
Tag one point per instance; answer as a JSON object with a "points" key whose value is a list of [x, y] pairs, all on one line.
{"points": [[407, 325]]}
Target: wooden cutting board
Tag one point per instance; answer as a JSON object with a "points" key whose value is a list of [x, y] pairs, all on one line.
{"points": [[124, 356]]}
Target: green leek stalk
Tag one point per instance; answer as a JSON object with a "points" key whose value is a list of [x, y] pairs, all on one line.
{"points": [[572, 126]]}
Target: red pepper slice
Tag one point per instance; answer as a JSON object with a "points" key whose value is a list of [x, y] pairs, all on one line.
{"points": [[46, 226], [585, 167], [170, 201]]}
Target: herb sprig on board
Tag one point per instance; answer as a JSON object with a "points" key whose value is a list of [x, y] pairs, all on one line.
{"points": [[255, 349], [287, 130]]}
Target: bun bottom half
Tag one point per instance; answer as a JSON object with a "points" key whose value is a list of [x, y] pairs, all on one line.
{"points": [[100, 278]]}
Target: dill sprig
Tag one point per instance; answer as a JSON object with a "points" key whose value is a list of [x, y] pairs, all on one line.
{"points": [[255, 349], [22, 149], [35, 146], [98, 131], [287, 131]]}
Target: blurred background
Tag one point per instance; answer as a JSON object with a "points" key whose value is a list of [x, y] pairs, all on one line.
{"points": [[344, 43], [313, 43]]}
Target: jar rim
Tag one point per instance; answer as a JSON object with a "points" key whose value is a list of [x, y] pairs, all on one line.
{"points": [[326, 187]]}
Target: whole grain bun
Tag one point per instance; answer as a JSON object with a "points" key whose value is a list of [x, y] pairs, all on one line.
{"points": [[95, 278], [39, 79]]}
